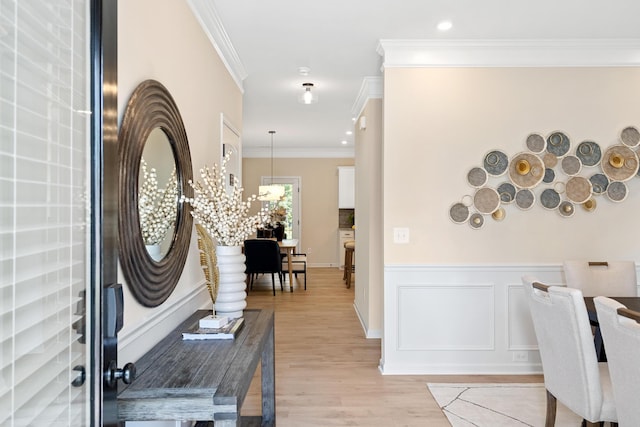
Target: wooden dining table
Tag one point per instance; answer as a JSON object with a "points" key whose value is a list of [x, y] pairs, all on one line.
{"points": [[289, 245], [632, 303]]}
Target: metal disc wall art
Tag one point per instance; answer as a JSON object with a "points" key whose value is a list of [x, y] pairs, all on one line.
{"points": [[536, 143], [507, 192], [525, 199], [561, 180], [571, 165], [477, 177], [496, 162], [558, 144], [589, 153], [630, 136], [617, 191], [526, 170], [619, 163], [459, 213]]}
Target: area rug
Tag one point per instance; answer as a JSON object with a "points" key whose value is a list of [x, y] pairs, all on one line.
{"points": [[497, 405]]}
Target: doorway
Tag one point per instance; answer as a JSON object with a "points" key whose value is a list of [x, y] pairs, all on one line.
{"points": [[291, 203]]}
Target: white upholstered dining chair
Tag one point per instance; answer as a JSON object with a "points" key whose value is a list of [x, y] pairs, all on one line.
{"points": [[621, 335], [609, 278], [571, 370]]}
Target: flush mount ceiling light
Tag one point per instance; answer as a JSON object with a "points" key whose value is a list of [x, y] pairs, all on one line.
{"points": [[307, 97], [444, 25], [271, 192]]}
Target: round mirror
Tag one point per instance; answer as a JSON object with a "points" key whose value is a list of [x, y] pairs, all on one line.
{"points": [[151, 116], [157, 194]]}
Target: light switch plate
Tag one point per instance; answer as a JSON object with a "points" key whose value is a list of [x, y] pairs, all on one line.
{"points": [[400, 235]]}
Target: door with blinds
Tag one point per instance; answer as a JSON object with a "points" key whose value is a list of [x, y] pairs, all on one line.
{"points": [[51, 246]]}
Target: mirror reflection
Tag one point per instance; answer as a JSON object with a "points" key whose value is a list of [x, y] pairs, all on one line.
{"points": [[157, 194]]}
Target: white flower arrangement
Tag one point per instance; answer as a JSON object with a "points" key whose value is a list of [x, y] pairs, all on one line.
{"points": [[225, 215], [157, 207]]}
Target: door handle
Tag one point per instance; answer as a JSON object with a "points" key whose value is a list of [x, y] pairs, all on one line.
{"points": [[113, 374]]}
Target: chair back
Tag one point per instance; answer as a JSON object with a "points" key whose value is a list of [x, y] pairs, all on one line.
{"points": [[566, 347], [621, 336], [262, 256], [610, 278]]}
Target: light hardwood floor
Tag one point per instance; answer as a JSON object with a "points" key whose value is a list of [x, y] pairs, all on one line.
{"points": [[327, 371]]}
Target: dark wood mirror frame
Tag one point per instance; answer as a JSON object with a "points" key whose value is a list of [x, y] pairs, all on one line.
{"points": [[151, 106]]}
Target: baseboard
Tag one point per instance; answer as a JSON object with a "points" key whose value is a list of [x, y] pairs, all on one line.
{"points": [[460, 369], [368, 333], [322, 265]]}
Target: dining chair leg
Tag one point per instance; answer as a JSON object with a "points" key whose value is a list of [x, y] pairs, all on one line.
{"points": [[551, 410], [273, 284]]}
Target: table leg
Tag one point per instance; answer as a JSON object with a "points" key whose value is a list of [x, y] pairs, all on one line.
{"points": [[268, 377], [289, 253]]}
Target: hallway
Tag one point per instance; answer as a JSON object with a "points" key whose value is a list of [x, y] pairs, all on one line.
{"points": [[326, 370]]}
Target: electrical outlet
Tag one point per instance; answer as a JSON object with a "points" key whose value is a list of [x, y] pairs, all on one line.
{"points": [[400, 235], [520, 356], [308, 251]]}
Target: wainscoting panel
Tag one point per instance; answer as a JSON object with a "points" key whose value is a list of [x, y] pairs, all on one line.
{"points": [[463, 314], [460, 319]]}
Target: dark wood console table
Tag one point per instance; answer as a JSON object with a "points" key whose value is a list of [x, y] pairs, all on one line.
{"points": [[204, 380]]}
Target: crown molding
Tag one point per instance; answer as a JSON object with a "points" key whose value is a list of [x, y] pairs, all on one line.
{"points": [[207, 16], [510, 53], [299, 152], [371, 88]]}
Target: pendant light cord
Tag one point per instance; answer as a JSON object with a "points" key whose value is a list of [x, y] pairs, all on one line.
{"points": [[272, 132]]}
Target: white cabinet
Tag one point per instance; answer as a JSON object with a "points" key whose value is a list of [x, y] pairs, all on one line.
{"points": [[344, 236], [346, 187]]}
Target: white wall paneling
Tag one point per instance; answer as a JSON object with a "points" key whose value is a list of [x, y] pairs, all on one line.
{"points": [[469, 319]]}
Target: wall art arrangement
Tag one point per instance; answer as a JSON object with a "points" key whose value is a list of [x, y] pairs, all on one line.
{"points": [[551, 173]]}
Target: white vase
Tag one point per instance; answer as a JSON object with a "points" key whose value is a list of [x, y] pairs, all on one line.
{"points": [[231, 299]]}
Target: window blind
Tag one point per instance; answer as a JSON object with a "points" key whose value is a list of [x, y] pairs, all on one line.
{"points": [[44, 149]]}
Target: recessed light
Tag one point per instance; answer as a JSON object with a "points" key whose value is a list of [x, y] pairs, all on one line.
{"points": [[344, 142], [444, 25], [349, 132]]}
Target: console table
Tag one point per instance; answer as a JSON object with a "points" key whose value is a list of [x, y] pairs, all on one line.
{"points": [[204, 380]]}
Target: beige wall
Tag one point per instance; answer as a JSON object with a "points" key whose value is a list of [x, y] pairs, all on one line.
{"points": [[369, 256], [440, 122], [319, 200], [161, 40]]}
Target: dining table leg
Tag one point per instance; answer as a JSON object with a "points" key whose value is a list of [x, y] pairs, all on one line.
{"points": [[290, 264]]}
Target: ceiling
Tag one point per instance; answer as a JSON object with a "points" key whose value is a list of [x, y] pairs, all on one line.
{"points": [[338, 39]]}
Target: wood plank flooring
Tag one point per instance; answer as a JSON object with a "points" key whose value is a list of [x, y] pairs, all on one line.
{"points": [[327, 371]]}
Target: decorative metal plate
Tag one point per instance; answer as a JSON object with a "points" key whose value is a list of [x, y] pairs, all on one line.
{"points": [[599, 183], [590, 205], [549, 175], [507, 192], [578, 189], [499, 214], [525, 199], [630, 136], [550, 160], [571, 165], [566, 209], [477, 177], [496, 163], [526, 170], [558, 144], [619, 163], [589, 153], [550, 198], [536, 143], [617, 191], [486, 200], [459, 213], [476, 221]]}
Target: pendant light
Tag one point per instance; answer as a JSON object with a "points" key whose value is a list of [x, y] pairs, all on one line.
{"points": [[271, 192]]}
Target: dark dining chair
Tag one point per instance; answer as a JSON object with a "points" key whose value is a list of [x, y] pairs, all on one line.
{"points": [[263, 257]]}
